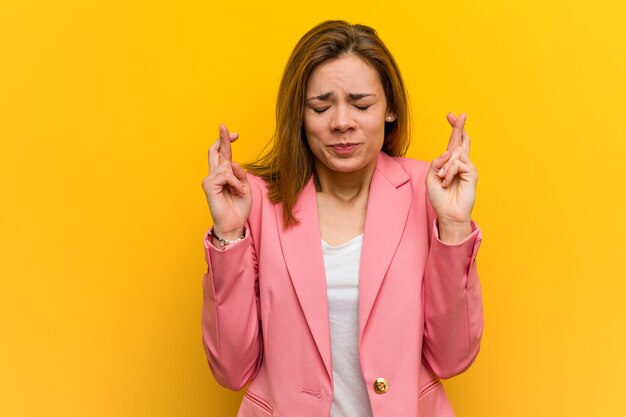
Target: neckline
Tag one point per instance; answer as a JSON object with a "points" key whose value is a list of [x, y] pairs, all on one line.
{"points": [[355, 240]]}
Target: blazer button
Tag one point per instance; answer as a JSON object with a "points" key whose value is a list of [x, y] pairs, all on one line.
{"points": [[381, 386]]}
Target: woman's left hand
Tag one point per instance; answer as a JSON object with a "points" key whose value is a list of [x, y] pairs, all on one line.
{"points": [[451, 183]]}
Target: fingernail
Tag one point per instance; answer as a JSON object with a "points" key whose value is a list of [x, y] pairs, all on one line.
{"points": [[444, 183], [444, 154], [440, 173]]}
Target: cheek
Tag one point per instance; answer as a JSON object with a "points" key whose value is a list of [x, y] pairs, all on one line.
{"points": [[312, 130], [375, 128], [311, 140]]}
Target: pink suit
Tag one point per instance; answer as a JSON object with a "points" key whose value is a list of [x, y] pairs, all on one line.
{"points": [[265, 311]]}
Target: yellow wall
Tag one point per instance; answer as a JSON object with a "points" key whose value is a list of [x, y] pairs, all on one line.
{"points": [[107, 111]]}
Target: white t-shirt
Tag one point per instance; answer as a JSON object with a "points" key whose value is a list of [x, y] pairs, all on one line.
{"points": [[341, 262]]}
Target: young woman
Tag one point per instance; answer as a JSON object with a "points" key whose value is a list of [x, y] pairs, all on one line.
{"points": [[341, 276]]}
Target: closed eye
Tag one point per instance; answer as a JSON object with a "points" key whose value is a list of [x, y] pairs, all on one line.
{"points": [[360, 108], [319, 111]]}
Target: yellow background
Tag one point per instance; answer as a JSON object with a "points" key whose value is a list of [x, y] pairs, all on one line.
{"points": [[107, 110]]}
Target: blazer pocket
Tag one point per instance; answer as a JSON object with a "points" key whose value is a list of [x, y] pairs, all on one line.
{"points": [[433, 401], [255, 406]]}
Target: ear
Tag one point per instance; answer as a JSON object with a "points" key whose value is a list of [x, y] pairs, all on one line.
{"points": [[390, 116]]}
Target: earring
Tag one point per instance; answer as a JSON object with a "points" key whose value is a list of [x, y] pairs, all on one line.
{"points": [[389, 118]]}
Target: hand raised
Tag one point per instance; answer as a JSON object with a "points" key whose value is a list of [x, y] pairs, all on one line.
{"points": [[227, 189], [452, 178]]}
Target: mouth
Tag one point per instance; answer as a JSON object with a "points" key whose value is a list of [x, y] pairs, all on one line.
{"points": [[344, 147]]}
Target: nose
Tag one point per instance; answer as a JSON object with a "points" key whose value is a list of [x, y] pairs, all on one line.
{"points": [[342, 119]]}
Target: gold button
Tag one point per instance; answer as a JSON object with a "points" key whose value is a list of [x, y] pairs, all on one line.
{"points": [[381, 386]]}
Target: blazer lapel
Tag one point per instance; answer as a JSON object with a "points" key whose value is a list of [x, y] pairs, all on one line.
{"points": [[302, 251], [387, 211]]}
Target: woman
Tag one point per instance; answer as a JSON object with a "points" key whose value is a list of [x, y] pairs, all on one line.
{"points": [[341, 276]]}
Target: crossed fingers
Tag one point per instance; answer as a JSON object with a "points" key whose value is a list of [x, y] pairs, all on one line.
{"points": [[221, 151], [458, 146], [221, 166]]}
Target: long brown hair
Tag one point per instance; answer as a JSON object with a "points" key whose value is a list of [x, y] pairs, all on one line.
{"points": [[288, 164]]}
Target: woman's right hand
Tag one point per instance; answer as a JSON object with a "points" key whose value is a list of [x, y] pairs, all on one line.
{"points": [[227, 189]]}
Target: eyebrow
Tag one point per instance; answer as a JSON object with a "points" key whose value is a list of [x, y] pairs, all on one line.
{"points": [[353, 96]]}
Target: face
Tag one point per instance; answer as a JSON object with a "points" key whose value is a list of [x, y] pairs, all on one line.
{"points": [[345, 114]]}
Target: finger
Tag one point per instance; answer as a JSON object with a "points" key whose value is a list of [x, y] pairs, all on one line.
{"points": [[437, 164], [457, 132], [239, 172], [456, 168], [222, 177], [214, 158], [217, 174], [464, 157], [451, 118], [466, 142], [235, 185], [225, 150], [465, 138], [454, 155], [216, 180]]}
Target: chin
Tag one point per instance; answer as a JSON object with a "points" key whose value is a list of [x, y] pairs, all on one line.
{"points": [[347, 165]]}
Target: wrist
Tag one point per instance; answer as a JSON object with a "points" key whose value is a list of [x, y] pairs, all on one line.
{"points": [[220, 240], [227, 234], [453, 232]]}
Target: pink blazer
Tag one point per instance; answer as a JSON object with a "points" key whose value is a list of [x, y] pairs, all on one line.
{"points": [[265, 310]]}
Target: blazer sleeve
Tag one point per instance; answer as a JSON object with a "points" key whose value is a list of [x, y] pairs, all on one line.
{"points": [[453, 311], [231, 331]]}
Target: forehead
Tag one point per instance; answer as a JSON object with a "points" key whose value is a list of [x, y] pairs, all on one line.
{"points": [[349, 73]]}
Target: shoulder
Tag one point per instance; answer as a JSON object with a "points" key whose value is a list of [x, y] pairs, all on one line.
{"points": [[258, 185], [399, 168], [413, 167], [415, 171]]}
